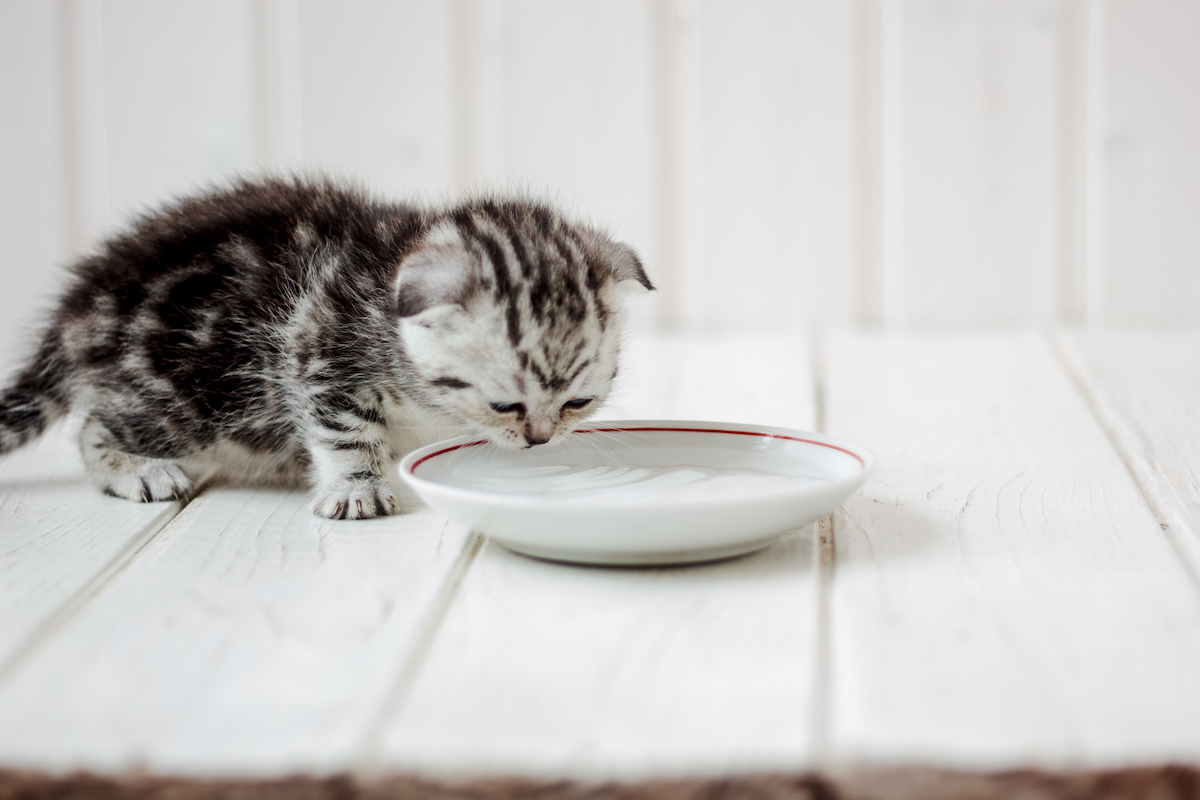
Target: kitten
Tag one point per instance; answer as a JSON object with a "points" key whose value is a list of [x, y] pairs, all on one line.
{"points": [[278, 330]]}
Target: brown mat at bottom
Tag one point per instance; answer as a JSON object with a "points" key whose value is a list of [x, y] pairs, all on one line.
{"points": [[1171, 782]]}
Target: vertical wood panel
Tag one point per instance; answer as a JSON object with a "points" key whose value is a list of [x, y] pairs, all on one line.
{"points": [[728, 142], [479, 101], [278, 120], [678, 188], [776, 161], [1080, 280], [578, 123], [85, 152], [377, 93], [1152, 161], [868, 161], [980, 134], [32, 222], [178, 84]]}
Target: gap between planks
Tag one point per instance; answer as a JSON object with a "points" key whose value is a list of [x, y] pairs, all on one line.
{"points": [[370, 764], [820, 711], [62, 616], [1174, 523]]}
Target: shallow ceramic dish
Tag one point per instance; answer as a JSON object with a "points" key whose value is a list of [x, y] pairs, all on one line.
{"points": [[641, 491]]}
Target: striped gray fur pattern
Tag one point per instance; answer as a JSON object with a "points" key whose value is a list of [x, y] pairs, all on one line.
{"points": [[285, 330]]}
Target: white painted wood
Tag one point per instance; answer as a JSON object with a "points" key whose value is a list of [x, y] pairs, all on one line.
{"points": [[980, 137], [867, 43], [1094, 189], [59, 540], [776, 163], [278, 91], [1145, 387], [378, 99], [751, 378], [776, 160], [178, 94], [1152, 164], [578, 115], [249, 637], [1002, 595], [85, 153], [32, 215], [564, 670], [892, 223], [678, 170], [479, 98], [1080, 159]]}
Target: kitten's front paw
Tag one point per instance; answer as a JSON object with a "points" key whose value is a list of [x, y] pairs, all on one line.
{"points": [[355, 498], [139, 478]]}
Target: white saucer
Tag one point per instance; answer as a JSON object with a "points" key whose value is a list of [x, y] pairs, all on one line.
{"points": [[641, 491]]}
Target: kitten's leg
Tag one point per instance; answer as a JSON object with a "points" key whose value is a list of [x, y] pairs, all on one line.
{"points": [[348, 446], [127, 475]]}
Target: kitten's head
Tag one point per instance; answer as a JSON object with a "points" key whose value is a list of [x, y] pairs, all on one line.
{"points": [[510, 318]]}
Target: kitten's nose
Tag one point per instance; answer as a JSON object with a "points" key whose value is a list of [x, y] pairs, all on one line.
{"points": [[540, 434]]}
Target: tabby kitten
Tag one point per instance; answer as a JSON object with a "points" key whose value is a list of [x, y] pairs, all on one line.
{"points": [[284, 329]]}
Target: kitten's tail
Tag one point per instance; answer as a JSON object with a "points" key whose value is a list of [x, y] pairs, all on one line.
{"points": [[36, 396]]}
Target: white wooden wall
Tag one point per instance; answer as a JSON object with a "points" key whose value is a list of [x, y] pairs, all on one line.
{"points": [[780, 163]]}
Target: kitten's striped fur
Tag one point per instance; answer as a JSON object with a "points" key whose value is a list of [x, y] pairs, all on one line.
{"points": [[284, 329]]}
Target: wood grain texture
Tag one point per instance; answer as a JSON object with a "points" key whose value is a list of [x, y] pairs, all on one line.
{"points": [[60, 538], [1145, 387], [249, 637], [1002, 595], [548, 669]]}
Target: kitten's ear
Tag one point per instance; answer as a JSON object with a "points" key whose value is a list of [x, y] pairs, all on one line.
{"points": [[433, 280], [626, 265]]}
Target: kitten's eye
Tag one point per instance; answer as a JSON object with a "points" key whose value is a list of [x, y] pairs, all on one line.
{"points": [[450, 383], [508, 408], [577, 403]]}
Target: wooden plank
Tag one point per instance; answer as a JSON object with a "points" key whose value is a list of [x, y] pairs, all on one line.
{"points": [[549, 669], [60, 540], [249, 637], [1152, 165], [777, 149], [377, 100], [980, 140], [1002, 595], [1145, 389]]}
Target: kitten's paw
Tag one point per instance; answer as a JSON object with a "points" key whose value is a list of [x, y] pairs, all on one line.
{"points": [[140, 478], [355, 498]]}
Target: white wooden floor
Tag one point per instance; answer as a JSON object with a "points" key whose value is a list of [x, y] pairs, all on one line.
{"points": [[1016, 588]]}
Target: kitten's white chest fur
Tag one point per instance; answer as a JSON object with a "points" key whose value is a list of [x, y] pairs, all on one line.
{"points": [[411, 425]]}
